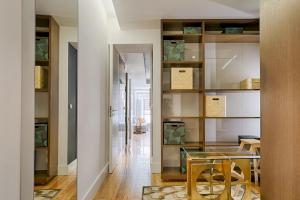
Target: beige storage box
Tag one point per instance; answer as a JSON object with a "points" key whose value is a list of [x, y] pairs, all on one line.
{"points": [[40, 77], [215, 106], [250, 83], [182, 78]]}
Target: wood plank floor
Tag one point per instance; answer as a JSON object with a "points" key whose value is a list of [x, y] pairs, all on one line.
{"points": [[132, 173], [67, 185]]}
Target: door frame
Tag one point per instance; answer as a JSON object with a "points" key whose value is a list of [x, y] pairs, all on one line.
{"points": [[111, 48]]}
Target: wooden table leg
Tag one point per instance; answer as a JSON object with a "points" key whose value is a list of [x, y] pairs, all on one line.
{"points": [[189, 177]]}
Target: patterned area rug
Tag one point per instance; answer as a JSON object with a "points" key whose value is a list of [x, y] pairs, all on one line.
{"points": [[45, 194], [179, 192]]}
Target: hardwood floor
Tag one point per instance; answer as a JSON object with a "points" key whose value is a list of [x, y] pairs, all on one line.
{"points": [[133, 172], [67, 184]]}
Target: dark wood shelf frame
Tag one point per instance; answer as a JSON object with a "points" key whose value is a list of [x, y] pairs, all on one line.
{"points": [[173, 173]]}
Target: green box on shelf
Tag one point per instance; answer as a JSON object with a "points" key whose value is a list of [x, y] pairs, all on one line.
{"points": [[183, 157], [233, 30], [174, 132], [41, 48], [192, 30], [173, 50], [41, 135]]}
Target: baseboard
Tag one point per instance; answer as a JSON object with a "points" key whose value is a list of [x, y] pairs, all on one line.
{"points": [[72, 165], [62, 170], [155, 167], [89, 195]]}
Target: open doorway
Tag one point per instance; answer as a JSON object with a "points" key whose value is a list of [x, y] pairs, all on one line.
{"points": [[130, 106]]}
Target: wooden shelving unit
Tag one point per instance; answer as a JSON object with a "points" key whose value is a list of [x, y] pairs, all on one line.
{"points": [[208, 26], [47, 27]]}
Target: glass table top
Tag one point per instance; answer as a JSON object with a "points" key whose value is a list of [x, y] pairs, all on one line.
{"points": [[219, 153]]}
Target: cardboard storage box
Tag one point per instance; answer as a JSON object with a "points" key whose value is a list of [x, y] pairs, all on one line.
{"points": [[215, 106], [174, 132], [181, 78], [40, 77], [250, 83]]}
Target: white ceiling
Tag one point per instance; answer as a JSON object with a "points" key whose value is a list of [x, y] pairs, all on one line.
{"points": [[64, 11], [146, 14]]}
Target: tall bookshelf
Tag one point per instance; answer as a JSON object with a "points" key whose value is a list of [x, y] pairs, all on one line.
{"points": [[46, 97], [211, 32]]}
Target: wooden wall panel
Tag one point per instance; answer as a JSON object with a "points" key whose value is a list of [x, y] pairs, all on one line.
{"points": [[280, 80]]}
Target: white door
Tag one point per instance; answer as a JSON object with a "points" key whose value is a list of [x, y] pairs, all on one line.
{"points": [[116, 135]]}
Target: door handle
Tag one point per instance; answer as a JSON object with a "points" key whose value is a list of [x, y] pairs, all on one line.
{"points": [[70, 106]]}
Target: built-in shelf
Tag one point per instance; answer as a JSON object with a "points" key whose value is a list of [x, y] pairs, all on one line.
{"points": [[173, 174], [188, 38], [183, 62], [187, 144], [234, 38], [42, 29], [41, 90], [182, 117], [225, 144], [182, 91], [41, 148], [232, 117], [41, 63], [231, 90]]}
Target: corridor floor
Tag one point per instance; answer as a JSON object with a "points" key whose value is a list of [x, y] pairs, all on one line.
{"points": [[132, 173]]}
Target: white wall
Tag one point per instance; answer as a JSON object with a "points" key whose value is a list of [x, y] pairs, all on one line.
{"points": [[92, 94], [117, 36], [27, 126], [66, 35], [14, 115]]}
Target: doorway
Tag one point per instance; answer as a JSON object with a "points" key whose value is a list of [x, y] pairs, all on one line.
{"points": [[130, 103]]}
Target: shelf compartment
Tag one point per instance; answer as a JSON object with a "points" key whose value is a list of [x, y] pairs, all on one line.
{"points": [[221, 144], [226, 130], [182, 104], [188, 38], [231, 38], [197, 83], [41, 90], [231, 90], [187, 144], [182, 91], [173, 174]]}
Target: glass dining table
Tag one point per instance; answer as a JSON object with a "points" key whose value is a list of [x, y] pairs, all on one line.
{"points": [[219, 173]]}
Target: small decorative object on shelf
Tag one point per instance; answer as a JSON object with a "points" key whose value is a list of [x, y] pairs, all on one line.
{"points": [[233, 30], [192, 30], [215, 106], [174, 132], [250, 83], [173, 50], [40, 79], [181, 78]]}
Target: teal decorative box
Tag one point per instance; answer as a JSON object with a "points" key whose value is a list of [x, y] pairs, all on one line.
{"points": [[234, 30], [192, 30], [41, 48], [173, 50], [174, 133], [41, 135], [183, 157]]}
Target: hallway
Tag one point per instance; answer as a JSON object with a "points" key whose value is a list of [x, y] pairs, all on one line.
{"points": [[132, 173]]}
